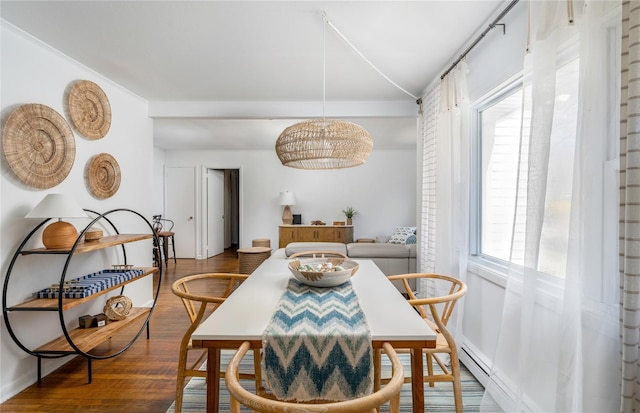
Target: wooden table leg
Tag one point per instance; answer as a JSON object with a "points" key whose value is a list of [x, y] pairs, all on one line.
{"points": [[417, 380], [213, 379]]}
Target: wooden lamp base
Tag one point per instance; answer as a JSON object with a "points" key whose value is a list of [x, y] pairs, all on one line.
{"points": [[287, 216], [59, 235]]}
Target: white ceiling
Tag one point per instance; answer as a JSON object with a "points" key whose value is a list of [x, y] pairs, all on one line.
{"points": [[234, 74]]}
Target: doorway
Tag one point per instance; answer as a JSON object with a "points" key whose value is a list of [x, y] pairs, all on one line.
{"points": [[222, 210]]}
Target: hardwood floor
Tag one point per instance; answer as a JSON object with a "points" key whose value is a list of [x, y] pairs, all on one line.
{"points": [[140, 380]]}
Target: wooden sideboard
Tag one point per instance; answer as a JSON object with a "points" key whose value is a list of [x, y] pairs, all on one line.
{"points": [[315, 233]]}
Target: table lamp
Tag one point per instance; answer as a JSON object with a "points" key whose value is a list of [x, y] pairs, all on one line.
{"points": [[60, 234], [287, 198]]}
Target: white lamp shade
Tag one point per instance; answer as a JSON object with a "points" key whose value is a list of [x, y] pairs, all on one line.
{"points": [[57, 206], [287, 198]]}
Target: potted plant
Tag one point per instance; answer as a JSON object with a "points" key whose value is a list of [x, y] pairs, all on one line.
{"points": [[349, 212]]}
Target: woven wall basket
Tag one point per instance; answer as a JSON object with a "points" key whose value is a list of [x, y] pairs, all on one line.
{"points": [[103, 176], [89, 109], [39, 145]]}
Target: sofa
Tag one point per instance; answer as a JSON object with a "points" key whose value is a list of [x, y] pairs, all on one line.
{"points": [[390, 258]]}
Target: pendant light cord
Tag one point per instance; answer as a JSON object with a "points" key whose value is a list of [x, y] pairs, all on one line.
{"points": [[326, 19], [324, 65]]}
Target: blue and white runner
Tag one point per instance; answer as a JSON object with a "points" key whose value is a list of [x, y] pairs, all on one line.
{"points": [[318, 345]]}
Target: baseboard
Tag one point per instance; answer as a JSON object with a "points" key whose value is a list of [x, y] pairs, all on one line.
{"points": [[479, 365], [473, 362]]}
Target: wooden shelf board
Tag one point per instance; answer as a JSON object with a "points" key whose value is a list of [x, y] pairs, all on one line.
{"points": [[88, 338], [48, 304], [104, 242]]}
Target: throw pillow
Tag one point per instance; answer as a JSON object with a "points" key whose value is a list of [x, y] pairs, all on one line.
{"points": [[411, 239], [401, 234]]}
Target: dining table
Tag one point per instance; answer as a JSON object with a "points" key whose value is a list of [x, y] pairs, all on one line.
{"points": [[246, 313]]}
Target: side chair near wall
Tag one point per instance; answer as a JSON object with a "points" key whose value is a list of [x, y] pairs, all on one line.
{"points": [[195, 293], [265, 404], [163, 228], [439, 311]]}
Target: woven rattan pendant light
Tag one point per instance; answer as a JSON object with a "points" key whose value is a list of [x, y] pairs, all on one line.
{"points": [[324, 143]]}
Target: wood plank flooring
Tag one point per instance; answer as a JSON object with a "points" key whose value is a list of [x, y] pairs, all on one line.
{"points": [[140, 380]]}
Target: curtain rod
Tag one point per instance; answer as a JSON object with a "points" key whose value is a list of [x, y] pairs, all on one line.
{"points": [[493, 24]]}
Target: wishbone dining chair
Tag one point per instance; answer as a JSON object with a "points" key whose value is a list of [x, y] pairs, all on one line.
{"points": [[195, 291], [317, 254], [439, 311], [366, 404]]}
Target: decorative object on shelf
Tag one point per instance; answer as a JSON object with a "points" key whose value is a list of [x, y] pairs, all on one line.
{"points": [[100, 320], [93, 234], [86, 321], [89, 284], [324, 143], [39, 145], [349, 212], [60, 234], [103, 176], [297, 219], [118, 307], [287, 199], [90, 110], [120, 267], [339, 223]]}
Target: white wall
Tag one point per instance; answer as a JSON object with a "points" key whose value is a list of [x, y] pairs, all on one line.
{"points": [[382, 190], [34, 73], [158, 181]]}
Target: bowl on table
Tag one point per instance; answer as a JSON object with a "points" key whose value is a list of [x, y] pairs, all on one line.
{"points": [[323, 272]]}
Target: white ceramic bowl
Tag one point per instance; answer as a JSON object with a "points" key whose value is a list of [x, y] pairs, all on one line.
{"points": [[316, 273]]}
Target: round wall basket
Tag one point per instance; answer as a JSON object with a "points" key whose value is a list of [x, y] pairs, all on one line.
{"points": [[90, 110], [103, 176], [39, 145]]}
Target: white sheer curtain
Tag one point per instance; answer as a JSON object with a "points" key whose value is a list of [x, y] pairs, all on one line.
{"points": [[445, 199], [452, 190], [558, 344]]}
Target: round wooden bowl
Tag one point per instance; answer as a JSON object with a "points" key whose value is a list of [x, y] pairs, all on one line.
{"points": [[323, 278]]}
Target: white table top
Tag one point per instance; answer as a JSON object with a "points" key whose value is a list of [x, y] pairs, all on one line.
{"points": [[246, 313]]}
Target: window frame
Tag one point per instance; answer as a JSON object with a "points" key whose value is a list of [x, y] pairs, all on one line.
{"points": [[475, 237]]}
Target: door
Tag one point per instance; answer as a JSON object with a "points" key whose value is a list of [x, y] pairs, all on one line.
{"points": [[180, 201], [215, 212]]}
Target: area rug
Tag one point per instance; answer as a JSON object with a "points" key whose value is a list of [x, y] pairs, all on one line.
{"points": [[438, 399]]}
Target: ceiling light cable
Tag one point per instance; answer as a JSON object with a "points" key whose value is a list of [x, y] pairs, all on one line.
{"points": [[326, 19]]}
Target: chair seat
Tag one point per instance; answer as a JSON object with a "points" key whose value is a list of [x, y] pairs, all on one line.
{"points": [[166, 234]]}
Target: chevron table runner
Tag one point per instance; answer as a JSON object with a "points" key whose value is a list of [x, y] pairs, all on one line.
{"points": [[318, 345]]}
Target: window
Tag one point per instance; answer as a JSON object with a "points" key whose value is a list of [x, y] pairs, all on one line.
{"points": [[503, 143]]}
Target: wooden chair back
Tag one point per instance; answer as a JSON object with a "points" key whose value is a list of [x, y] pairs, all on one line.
{"points": [[318, 254], [440, 307], [196, 303], [366, 404], [195, 293]]}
